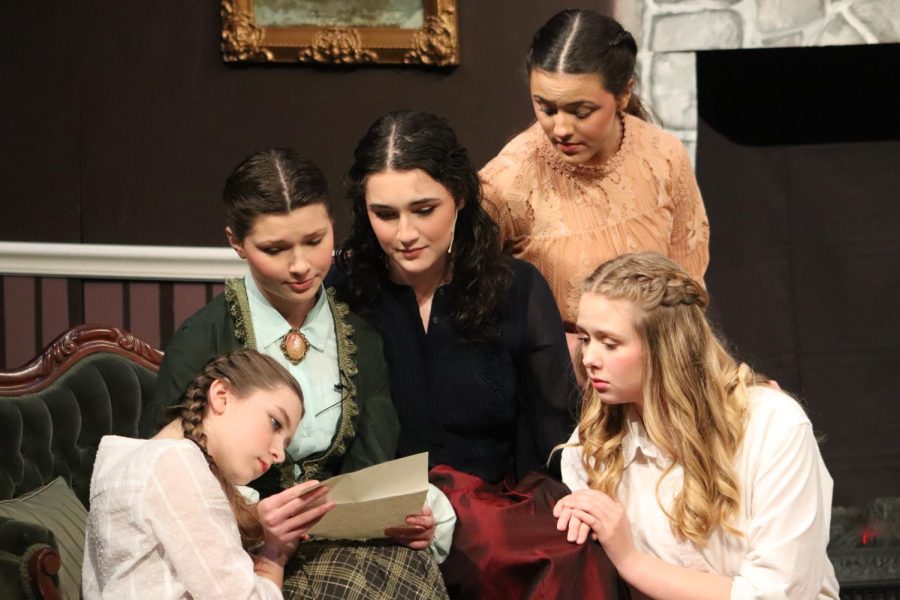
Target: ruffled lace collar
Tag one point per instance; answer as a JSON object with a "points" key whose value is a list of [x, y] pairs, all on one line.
{"points": [[581, 171]]}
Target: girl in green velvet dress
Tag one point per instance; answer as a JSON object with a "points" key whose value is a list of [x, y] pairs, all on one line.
{"points": [[278, 220]]}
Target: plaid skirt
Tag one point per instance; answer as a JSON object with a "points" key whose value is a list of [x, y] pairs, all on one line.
{"points": [[349, 570]]}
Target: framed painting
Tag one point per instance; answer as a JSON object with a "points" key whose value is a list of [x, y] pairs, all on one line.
{"points": [[341, 32]]}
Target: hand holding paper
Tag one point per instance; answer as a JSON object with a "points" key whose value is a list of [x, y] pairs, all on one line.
{"points": [[418, 533], [369, 501], [287, 516]]}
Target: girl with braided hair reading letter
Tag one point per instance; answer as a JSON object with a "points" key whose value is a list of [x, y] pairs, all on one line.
{"points": [[166, 519], [698, 481]]}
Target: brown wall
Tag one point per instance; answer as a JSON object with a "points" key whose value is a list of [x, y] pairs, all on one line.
{"points": [[122, 121], [35, 310]]}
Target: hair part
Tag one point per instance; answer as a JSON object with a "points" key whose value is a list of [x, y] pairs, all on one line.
{"points": [[580, 41], [695, 395], [272, 181], [479, 276], [244, 371]]}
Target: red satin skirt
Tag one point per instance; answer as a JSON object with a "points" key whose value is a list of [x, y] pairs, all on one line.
{"points": [[506, 545]]}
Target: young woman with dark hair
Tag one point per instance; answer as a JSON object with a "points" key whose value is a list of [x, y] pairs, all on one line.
{"points": [[278, 220], [480, 373], [592, 179]]}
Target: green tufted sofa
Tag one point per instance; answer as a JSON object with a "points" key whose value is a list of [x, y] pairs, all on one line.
{"points": [[89, 382]]}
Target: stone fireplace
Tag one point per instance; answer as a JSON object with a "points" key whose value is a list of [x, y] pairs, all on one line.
{"points": [[670, 32]]}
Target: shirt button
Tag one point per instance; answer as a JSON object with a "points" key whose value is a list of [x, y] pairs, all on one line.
{"points": [[434, 320]]}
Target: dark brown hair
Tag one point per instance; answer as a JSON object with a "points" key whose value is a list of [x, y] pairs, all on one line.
{"points": [[583, 41], [480, 278], [270, 181]]}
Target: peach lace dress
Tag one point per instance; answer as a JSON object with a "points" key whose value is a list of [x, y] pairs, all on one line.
{"points": [[574, 217]]}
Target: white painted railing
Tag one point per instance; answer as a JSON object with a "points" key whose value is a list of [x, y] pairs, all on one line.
{"points": [[110, 261]]}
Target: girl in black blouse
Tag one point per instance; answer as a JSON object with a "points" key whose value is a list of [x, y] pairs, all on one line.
{"points": [[480, 371]]}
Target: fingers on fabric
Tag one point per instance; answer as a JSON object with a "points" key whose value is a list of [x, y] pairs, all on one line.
{"points": [[413, 538], [582, 514]]}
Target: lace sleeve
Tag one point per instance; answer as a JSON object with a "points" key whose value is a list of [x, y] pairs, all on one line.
{"points": [[548, 391], [690, 229], [197, 532], [493, 200]]}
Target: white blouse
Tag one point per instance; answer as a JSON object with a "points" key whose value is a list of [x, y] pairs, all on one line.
{"points": [[161, 527], [785, 505]]}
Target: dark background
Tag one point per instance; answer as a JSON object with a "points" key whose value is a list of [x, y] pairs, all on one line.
{"points": [[798, 159], [121, 121]]}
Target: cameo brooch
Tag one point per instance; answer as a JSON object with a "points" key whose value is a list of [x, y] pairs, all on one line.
{"points": [[294, 346]]}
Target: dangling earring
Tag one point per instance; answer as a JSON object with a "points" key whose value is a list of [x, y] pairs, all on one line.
{"points": [[453, 232]]}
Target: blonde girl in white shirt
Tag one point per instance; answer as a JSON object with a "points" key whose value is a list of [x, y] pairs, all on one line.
{"points": [[699, 480], [166, 519]]}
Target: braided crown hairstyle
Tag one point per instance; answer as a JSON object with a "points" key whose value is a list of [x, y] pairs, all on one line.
{"points": [[245, 371], [695, 394], [583, 41], [272, 181]]}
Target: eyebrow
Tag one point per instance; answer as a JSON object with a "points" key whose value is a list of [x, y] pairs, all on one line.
{"points": [[414, 203], [285, 416], [321, 231], [600, 332], [573, 104]]}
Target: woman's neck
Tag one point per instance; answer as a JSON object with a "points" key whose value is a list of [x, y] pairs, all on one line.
{"points": [[294, 313], [613, 144], [172, 431], [423, 284]]}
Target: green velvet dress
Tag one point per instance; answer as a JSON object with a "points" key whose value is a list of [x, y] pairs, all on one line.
{"points": [[367, 428], [367, 434]]}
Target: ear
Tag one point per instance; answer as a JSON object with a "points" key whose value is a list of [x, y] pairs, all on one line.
{"points": [[234, 243], [626, 95], [218, 396]]}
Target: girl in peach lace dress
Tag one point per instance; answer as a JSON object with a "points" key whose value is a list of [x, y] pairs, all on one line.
{"points": [[592, 179]]}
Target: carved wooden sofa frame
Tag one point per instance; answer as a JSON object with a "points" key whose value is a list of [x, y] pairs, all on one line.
{"points": [[89, 382]]}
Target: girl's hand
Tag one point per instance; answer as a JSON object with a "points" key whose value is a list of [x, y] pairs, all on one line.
{"points": [[420, 532], [287, 516], [604, 516], [576, 530]]}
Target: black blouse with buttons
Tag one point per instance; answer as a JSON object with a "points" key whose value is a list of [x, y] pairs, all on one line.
{"points": [[491, 410]]}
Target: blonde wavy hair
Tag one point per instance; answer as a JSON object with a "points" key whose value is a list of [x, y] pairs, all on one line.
{"points": [[695, 395], [245, 371]]}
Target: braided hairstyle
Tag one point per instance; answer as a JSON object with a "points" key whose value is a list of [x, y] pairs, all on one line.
{"points": [[580, 41], [695, 394], [245, 371]]}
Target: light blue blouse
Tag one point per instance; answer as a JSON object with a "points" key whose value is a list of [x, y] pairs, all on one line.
{"points": [[317, 373]]}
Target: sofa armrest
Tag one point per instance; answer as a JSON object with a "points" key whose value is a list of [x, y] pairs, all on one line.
{"points": [[42, 563], [29, 561]]}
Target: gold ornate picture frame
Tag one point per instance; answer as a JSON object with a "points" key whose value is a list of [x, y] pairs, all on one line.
{"points": [[379, 33]]}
